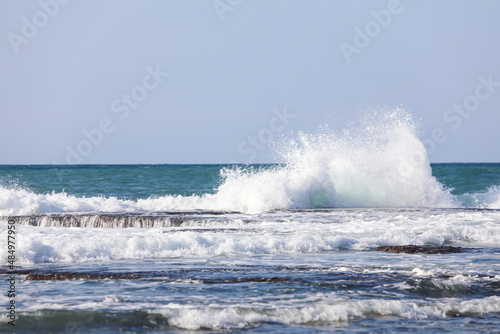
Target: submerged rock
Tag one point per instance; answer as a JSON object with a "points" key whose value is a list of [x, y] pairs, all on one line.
{"points": [[425, 249], [67, 276], [61, 276]]}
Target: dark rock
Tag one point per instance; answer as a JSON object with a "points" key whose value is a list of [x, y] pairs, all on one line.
{"points": [[426, 249], [68, 276]]}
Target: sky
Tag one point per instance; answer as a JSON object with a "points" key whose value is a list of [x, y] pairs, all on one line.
{"points": [[215, 81]]}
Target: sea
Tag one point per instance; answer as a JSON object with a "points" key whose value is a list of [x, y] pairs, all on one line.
{"points": [[289, 247]]}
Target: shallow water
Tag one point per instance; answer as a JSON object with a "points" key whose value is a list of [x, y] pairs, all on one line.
{"points": [[291, 271]]}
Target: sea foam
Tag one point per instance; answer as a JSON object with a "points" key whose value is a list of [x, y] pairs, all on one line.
{"points": [[267, 234], [217, 318]]}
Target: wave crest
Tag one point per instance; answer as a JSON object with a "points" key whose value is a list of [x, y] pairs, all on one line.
{"points": [[378, 162]]}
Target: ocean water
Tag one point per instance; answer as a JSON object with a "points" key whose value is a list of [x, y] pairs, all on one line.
{"points": [[287, 248]]}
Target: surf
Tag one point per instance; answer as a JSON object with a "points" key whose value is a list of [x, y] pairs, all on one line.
{"points": [[378, 161]]}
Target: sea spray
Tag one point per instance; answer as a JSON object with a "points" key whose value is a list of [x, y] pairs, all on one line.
{"points": [[378, 161]]}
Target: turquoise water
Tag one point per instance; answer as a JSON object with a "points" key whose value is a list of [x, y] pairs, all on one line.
{"points": [[143, 181], [467, 178], [122, 181]]}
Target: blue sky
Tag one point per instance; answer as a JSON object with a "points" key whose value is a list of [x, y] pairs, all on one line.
{"points": [[211, 81]]}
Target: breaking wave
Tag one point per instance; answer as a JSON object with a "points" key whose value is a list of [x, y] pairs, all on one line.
{"points": [[237, 318], [379, 162]]}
